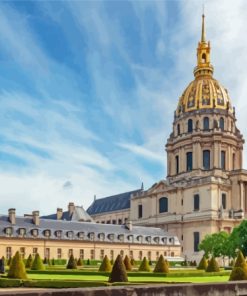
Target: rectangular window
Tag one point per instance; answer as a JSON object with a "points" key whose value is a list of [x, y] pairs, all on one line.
{"points": [[59, 253], [82, 254], [223, 200], [196, 241], [108, 222], [35, 251], [206, 160], [47, 253], [70, 252], [131, 254], [189, 163], [157, 255], [102, 254], [139, 211], [223, 160], [22, 252], [120, 221], [140, 255], [112, 255], [92, 254], [196, 202], [177, 164], [8, 252], [113, 221]]}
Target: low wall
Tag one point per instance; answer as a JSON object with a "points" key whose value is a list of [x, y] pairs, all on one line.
{"points": [[215, 289]]}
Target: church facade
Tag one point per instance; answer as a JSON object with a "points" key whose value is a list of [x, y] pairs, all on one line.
{"points": [[206, 186]]}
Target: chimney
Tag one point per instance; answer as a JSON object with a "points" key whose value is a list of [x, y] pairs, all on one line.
{"points": [[71, 208], [129, 225], [59, 213], [12, 216], [36, 218]]}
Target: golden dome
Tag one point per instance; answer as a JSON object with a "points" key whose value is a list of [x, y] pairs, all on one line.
{"points": [[204, 92]]}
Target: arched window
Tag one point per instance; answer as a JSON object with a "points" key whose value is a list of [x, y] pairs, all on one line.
{"points": [[222, 123], [203, 58], [206, 160], [163, 205], [178, 129], [206, 123], [190, 126]]}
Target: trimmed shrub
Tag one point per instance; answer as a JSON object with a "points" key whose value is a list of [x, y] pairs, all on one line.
{"points": [[203, 264], [29, 261], [71, 263], [127, 263], [2, 266], [240, 261], [212, 266], [17, 268], [88, 262], [4, 261], [132, 261], [53, 261], [161, 265], [10, 283], [144, 265], [118, 273], [79, 262], [37, 263], [238, 274], [105, 265], [9, 261]]}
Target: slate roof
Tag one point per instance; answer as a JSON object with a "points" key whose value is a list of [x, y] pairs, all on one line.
{"points": [[111, 203], [79, 214], [87, 228]]}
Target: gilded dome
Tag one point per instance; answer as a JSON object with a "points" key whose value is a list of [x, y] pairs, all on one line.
{"points": [[204, 92]]}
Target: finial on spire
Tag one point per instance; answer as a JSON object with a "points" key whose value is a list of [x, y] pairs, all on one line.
{"points": [[203, 38]]}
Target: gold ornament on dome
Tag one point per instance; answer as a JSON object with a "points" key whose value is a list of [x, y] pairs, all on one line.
{"points": [[204, 92]]}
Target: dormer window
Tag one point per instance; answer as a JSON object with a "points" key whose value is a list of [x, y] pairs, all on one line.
{"points": [[130, 238], [91, 235], [111, 236], [47, 233], [35, 232], [140, 239], [22, 232], [121, 237], [148, 239], [58, 233], [164, 240], [9, 231], [101, 236], [81, 235], [157, 240], [70, 234]]}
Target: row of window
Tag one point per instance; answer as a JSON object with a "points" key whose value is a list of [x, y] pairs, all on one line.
{"points": [[163, 207], [206, 125], [60, 254], [206, 161], [114, 221], [197, 201]]}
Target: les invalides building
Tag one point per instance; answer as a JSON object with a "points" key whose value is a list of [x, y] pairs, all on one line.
{"points": [[206, 187]]}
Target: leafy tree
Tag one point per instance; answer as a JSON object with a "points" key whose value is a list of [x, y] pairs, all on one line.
{"points": [[17, 268], [37, 263], [144, 265], [127, 263], [118, 273], [238, 239], [105, 265], [29, 261], [71, 263], [161, 265]]}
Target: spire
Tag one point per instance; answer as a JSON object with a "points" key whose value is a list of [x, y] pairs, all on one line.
{"points": [[203, 38]]}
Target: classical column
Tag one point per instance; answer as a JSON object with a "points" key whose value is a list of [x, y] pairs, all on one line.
{"points": [[241, 183]]}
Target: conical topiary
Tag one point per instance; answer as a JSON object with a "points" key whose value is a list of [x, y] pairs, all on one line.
{"points": [[53, 262], [71, 263], [127, 263], [9, 261], [79, 262], [4, 261], [105, 265], [203, 264], [133, 262], [239, 271], [17, 268], [212, 266], [118, 273], [161, 265], [37, 263], [29, 261], [144, 265]]}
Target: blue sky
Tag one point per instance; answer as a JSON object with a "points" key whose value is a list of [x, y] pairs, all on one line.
{"points": [[88, 90]]}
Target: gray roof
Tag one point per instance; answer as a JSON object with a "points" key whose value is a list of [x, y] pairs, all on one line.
{"points": [[87, 231], [112, 203], [79, 214]]}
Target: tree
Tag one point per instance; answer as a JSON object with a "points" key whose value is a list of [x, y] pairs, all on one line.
{"points": [[79, 262], [132, 261], [127, 263], [203, 264], [105, 265], [118, 273], [17, 268], [29, 261], [37, 263], [238, 239], [71, 263], [161, 265], [212, 266], [239, 271], [144, 265]]}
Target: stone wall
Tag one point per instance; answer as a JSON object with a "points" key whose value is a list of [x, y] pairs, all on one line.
{"points": [[216, 289]]}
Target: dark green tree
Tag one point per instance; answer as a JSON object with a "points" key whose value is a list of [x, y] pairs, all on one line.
{"points": [[79, 262], [144, 265], [212, 266], [118, 273], [203, 264], [17, 268], [127, 263], [161, 265], [29, 261], [71, 263]]}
